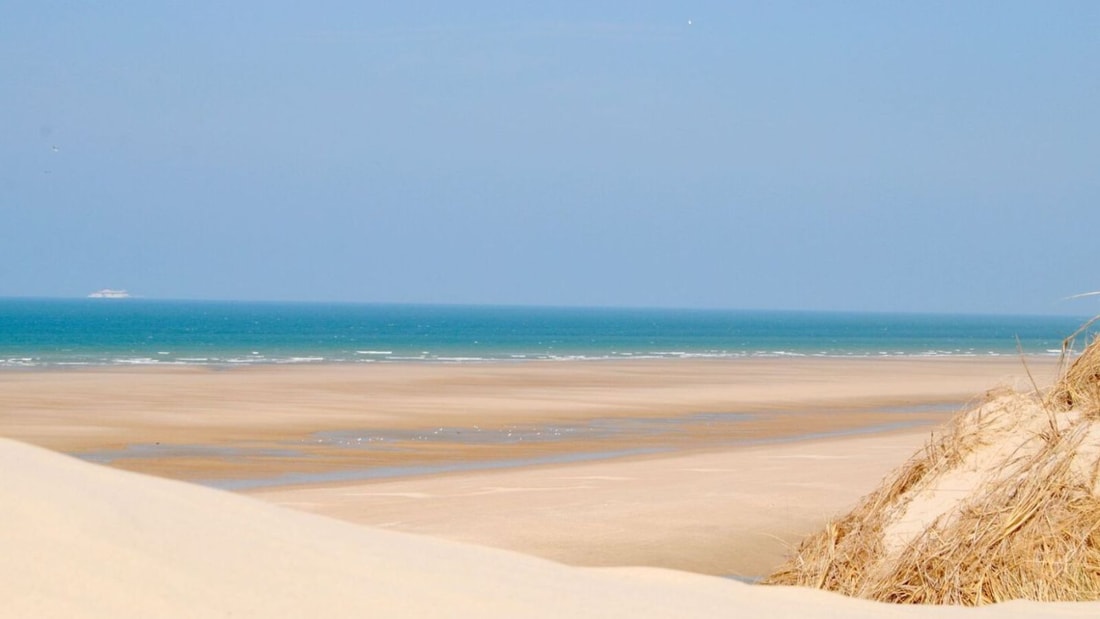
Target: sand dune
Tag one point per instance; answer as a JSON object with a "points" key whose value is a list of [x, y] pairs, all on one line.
{"points": [[81, 540]]}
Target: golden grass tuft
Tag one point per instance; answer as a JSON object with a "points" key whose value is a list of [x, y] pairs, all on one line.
{"points": [[1001, 504], [1079, 386]]}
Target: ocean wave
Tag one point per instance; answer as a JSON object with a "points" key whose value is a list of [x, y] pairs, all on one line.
{"points": [[428, 357], [136, 361]]}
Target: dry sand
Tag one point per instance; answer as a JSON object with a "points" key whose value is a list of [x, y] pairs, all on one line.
{"points": [[730, 513], [711, 498], [86, 541]]}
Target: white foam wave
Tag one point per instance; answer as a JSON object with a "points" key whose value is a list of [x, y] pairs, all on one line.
{"points": [[154, 357]]}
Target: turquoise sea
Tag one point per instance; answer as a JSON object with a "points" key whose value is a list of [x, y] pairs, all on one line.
{"points": [[67, 332]]}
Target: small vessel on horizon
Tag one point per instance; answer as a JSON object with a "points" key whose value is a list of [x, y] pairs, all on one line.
{"points": [[109, 293]]}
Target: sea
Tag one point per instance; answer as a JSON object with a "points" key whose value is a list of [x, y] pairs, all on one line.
{"points": [[36, 333]]}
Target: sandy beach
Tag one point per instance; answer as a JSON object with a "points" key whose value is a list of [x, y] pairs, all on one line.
{"points": [[704, 466], [732, 513], [172, 421]]}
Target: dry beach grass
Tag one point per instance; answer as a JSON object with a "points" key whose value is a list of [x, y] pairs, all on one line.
{"points": [[1003, 504]]}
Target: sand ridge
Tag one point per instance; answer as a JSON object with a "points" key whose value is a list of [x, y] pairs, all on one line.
{"points": [[86, 541]]}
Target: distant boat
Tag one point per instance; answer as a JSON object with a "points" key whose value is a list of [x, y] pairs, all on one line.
{"points": [[108, 293]]}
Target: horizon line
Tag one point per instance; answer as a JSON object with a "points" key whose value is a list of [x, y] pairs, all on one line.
{"points": [[520, 305]]}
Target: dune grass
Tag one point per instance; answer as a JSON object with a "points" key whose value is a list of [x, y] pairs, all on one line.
{"points": [[1001, 504]]}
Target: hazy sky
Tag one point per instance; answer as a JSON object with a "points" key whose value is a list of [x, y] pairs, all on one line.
{"points": [[914, 156]]}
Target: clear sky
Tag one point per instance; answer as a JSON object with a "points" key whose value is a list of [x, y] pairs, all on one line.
{"points": [[882, 156]]}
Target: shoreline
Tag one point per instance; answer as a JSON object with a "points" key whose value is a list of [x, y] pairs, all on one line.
{"points": [[21, 364]]}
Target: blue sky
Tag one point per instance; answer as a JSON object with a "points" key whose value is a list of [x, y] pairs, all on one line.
{"points": [[881, 156]]}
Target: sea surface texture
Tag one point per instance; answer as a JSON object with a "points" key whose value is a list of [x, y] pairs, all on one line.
{"points": [[54, 332]]}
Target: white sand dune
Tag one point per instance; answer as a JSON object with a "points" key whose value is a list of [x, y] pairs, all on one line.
{"points": [[80, 540]]}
